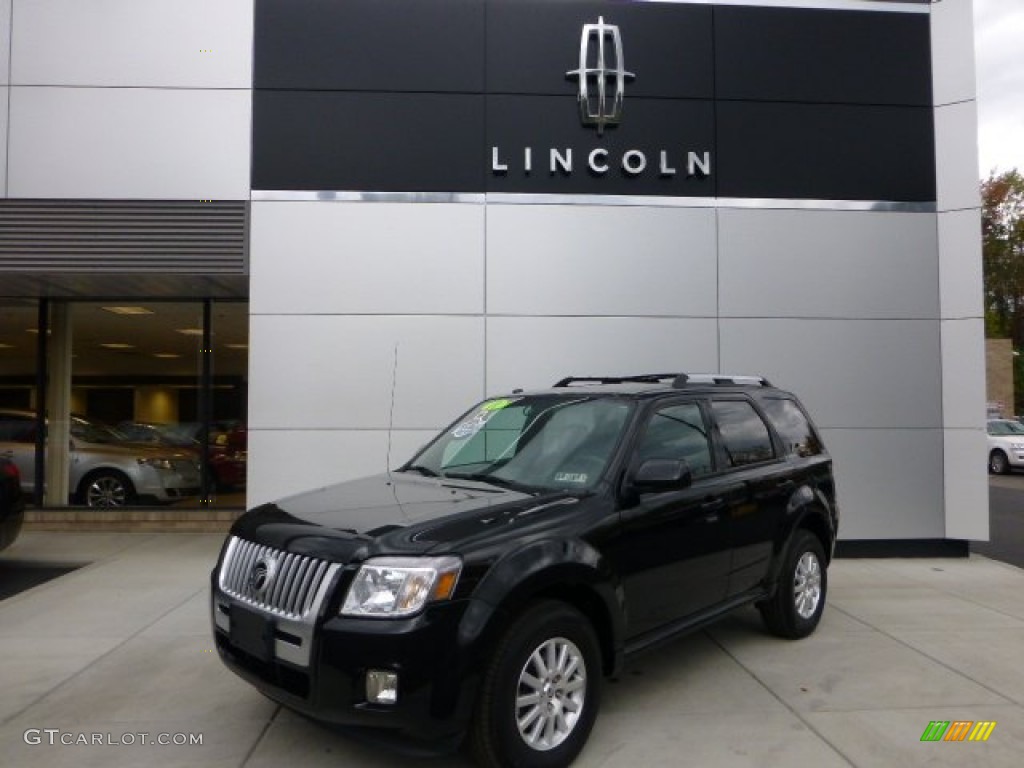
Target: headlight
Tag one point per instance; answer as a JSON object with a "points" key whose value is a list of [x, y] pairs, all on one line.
{"points": [[400, 586], [157, 463], [1017, 446]]}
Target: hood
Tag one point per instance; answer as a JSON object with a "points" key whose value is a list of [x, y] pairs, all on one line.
{"points": [[398, 513], [137, 450]]}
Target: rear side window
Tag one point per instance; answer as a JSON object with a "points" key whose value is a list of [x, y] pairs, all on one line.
{"points": [[744, 434], [17, 429], [798, 436], [678, 432]]}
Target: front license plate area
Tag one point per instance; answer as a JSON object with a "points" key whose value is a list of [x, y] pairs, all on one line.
{"points": [[252, 632]]}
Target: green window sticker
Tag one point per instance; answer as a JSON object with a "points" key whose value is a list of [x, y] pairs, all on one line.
{"points": [[497, 405]]}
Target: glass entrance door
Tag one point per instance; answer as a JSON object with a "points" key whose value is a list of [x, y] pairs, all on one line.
{"points": [[144, 402]]}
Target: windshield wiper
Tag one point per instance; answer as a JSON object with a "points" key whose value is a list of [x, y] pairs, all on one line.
{"points": [[425, 471], [501, 482]]}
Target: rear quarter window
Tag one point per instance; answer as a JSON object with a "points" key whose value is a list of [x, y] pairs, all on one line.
{"points": [[745, 436], [798, 436]]}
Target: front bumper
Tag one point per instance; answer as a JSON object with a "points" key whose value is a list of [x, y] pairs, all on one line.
{"points": [[169, 484], [320, 669]]}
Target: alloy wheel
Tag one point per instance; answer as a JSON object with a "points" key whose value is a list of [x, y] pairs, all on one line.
{"points": [[807, 585], [551, 694]]}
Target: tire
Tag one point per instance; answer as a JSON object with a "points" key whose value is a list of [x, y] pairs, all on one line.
{"points": [[795, 609], [998, 464], [107, 488], [516, 689]]}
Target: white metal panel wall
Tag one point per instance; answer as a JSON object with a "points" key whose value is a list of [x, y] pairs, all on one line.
{"points": [[871, 316], [5, 42], [538, 351], [828, 264], [5, 91], [336, 290], [125, 99], [122, 143], [152, 43], [587, 260], [368, 258], [842, 307], [960, 280], [5, 94]]}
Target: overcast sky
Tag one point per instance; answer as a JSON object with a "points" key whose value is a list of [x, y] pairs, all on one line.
{"points": [[999, 49]]}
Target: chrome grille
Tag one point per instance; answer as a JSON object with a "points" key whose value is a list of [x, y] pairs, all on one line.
{"points": [[292, 582]]}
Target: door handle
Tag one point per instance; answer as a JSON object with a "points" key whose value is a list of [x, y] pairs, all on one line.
{"points": [[711, 510]]}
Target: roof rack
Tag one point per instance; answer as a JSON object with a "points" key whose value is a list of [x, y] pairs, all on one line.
{"points": [[679, 380], [644, 378], [726, 379]]}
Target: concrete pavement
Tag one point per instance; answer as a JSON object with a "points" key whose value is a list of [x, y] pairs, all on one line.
{"points": [[122, 647]]}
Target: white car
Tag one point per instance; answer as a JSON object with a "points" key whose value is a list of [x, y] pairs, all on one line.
{"points": [[1005, 445]]}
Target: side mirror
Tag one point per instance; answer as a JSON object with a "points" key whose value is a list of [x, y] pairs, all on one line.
{"points": [[656, 475]]}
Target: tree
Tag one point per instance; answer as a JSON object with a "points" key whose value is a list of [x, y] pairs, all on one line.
{"points": [[1002, 236]]}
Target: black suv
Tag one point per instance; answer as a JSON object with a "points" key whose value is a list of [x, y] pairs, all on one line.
{"points": [[486, 587]]}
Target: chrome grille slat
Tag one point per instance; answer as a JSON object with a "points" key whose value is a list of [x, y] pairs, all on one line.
{"points": [[297, 581], [288, 594], [246, 554], [284, 572], [248, 591], [318, 576], [302, 584], [230, 567], [292, 563]]}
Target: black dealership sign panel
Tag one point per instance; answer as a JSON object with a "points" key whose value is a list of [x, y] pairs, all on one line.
{"points": [[474, 96]]}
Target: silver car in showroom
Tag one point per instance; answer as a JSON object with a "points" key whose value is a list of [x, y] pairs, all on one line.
{"points": [[105, 470]]}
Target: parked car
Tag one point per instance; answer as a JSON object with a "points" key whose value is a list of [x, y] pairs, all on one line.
{"points": [[12, 503], [227, 448], [105, 469], [1005, 445], [487, 586]]}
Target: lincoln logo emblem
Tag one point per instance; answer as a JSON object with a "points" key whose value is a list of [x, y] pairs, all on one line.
{"points": [[261, 574], [601, 67]]}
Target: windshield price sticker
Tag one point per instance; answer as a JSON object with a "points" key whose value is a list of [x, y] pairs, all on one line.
{"points": [[476, 422], [497, 405]]}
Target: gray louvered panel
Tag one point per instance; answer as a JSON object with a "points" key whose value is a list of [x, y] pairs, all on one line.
{"points": [[126, 236]]}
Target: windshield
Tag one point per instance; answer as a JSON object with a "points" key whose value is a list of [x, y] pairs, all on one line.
{"points": [[544, 442], [1005, 428], [94, 432]]}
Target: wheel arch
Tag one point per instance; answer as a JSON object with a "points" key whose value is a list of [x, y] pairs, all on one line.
{"points": [[568, 571], [807, 512], [814, 520], [992, 453], [95, 472]]}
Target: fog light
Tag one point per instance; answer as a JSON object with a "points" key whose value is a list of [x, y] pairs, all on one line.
{"points": [[381, 687]]}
